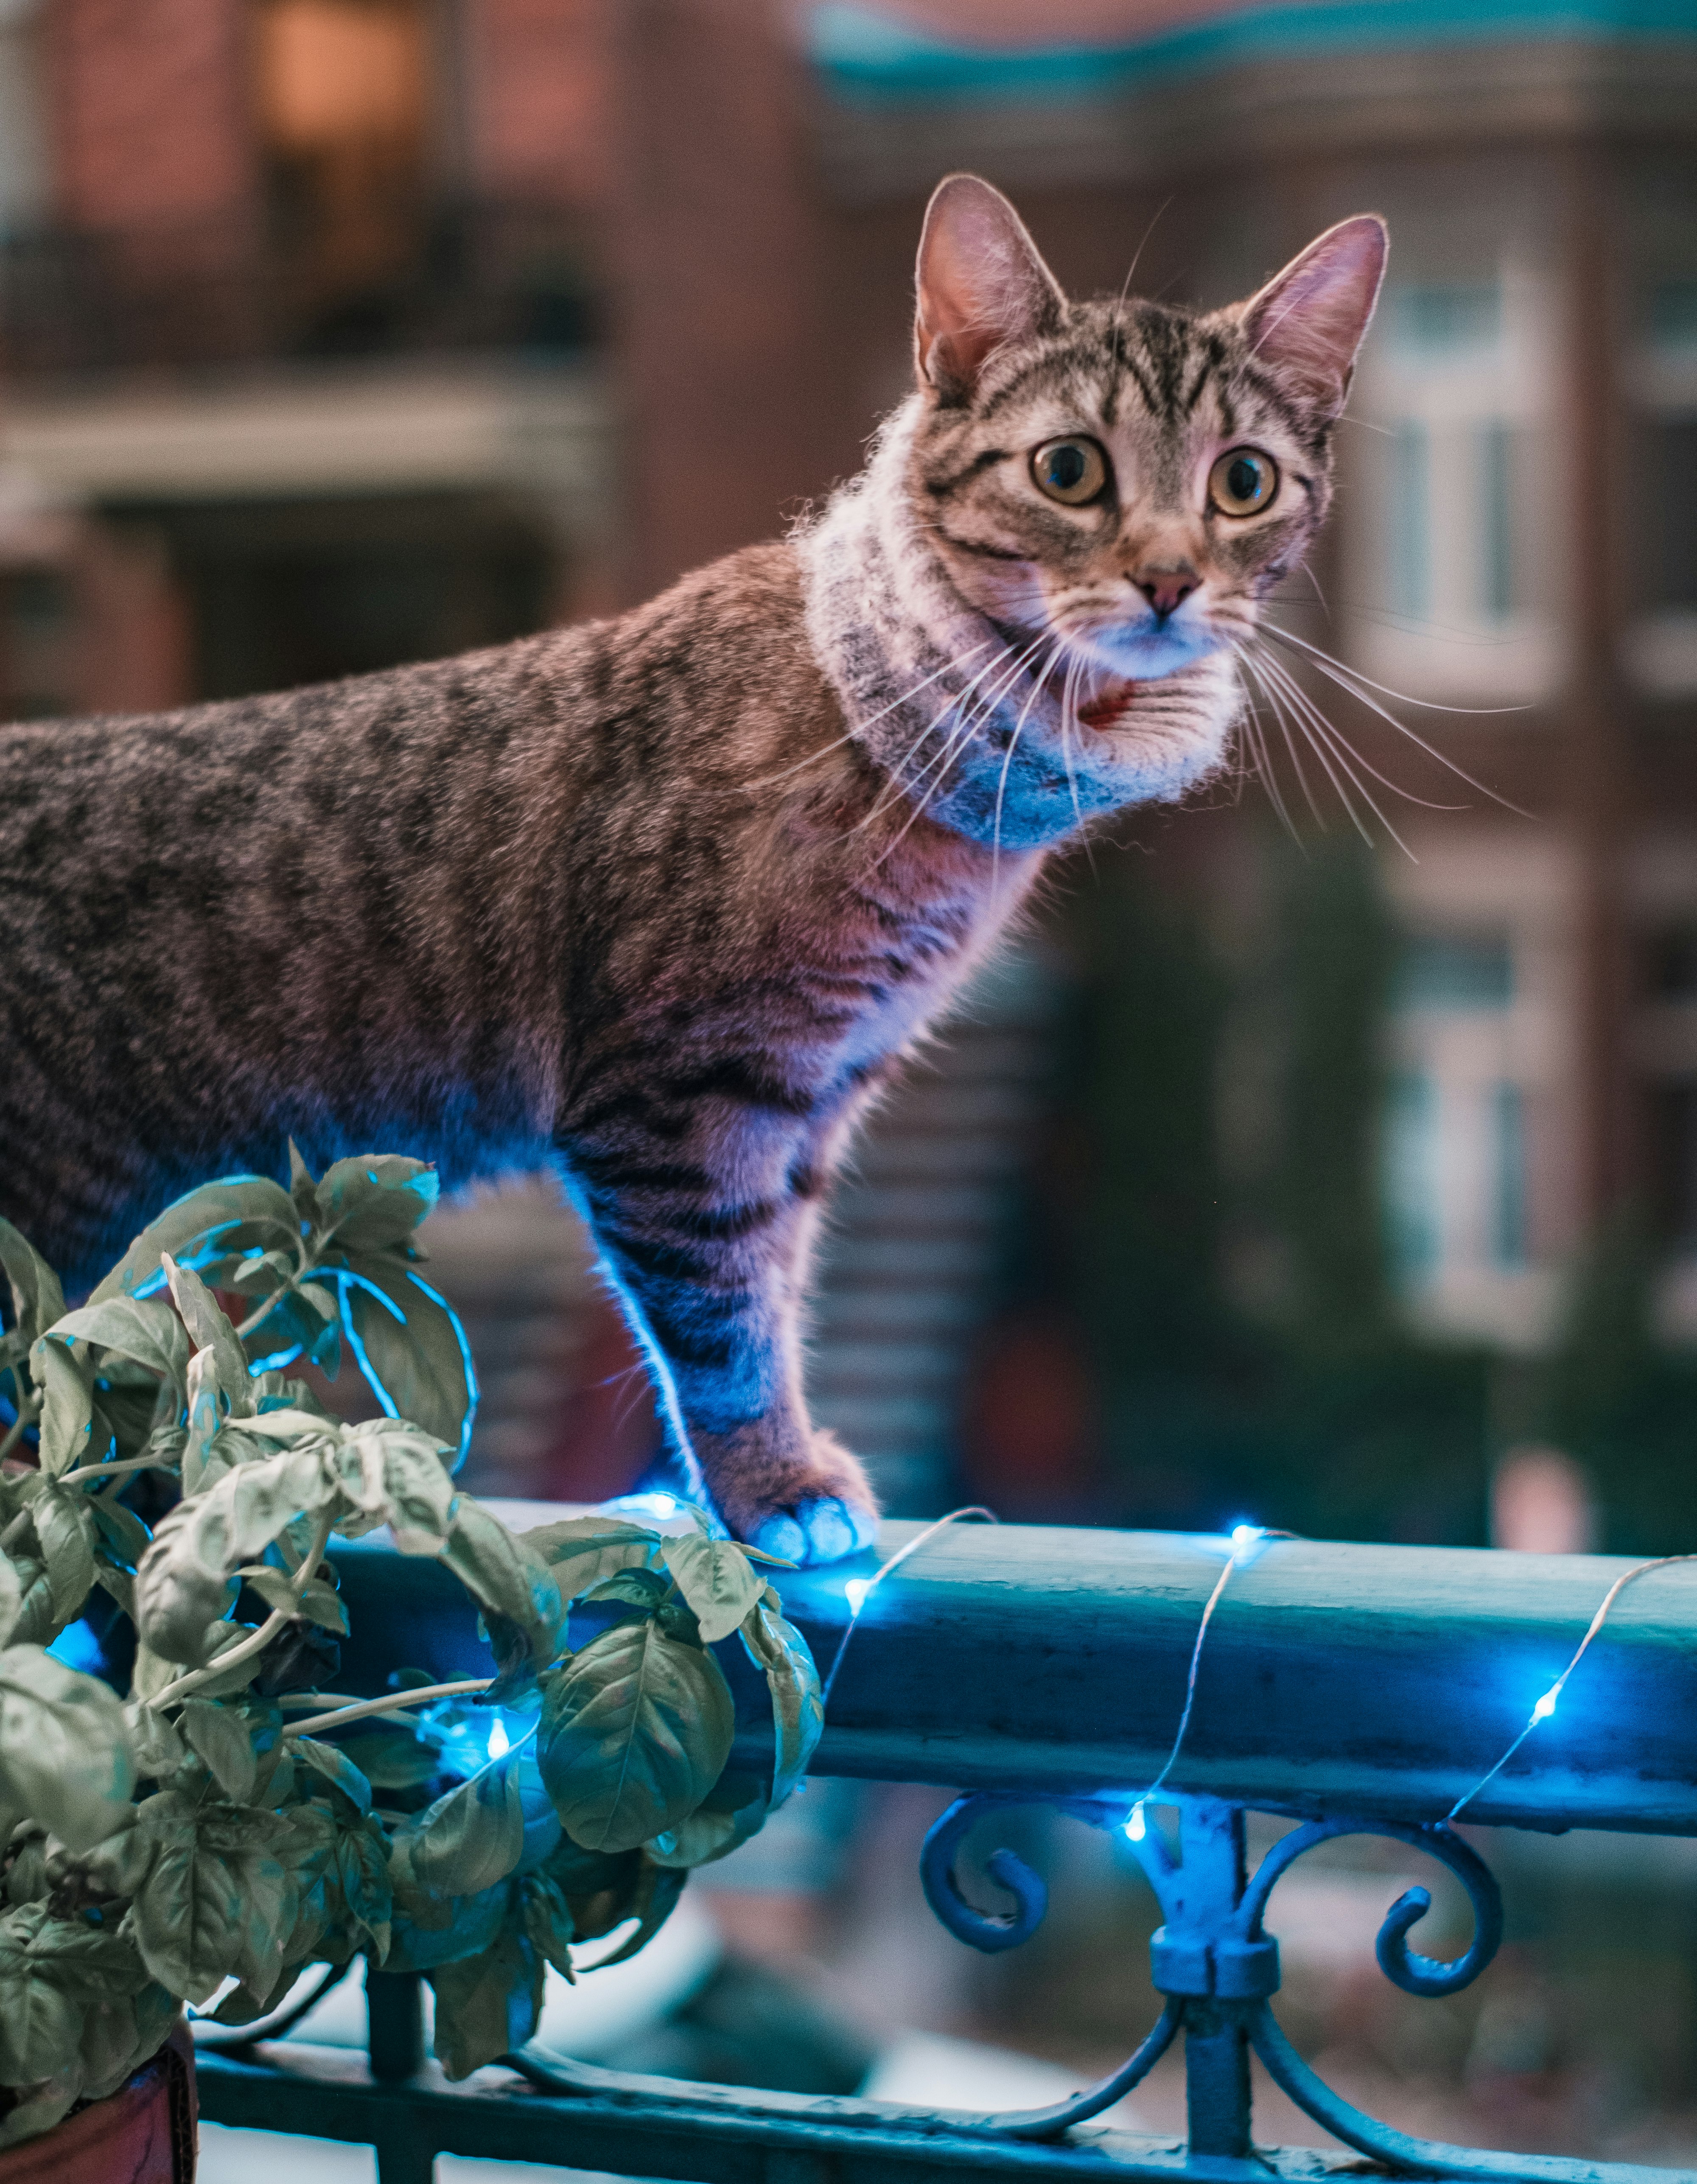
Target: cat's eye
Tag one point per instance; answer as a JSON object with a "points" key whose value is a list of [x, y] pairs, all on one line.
{"points": [[1243, 482], [1071, 471]]}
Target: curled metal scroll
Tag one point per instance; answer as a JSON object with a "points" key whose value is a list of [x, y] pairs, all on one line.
{"points": [[979, 1930], [1404, 1967]]}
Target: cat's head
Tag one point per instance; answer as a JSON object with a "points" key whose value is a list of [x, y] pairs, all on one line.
{"points": [[1129, 478]]}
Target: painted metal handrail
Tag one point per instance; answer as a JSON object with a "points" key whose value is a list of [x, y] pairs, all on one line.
{"points": [[1361, 1690]]}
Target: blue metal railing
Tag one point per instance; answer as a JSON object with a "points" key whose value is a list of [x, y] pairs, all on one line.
{"points": [[1357, 1690]]}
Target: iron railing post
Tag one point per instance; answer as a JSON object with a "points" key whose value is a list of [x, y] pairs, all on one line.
{"points": [[394, 2025]]}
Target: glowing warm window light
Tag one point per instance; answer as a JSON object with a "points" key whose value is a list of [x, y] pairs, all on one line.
{"points": [[333, 71]]}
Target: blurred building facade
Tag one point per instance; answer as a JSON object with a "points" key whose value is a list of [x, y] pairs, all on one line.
{"points": [[334, 332]]}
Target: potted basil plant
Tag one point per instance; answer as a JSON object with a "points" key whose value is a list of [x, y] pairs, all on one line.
{"points": [[231, 1822]]}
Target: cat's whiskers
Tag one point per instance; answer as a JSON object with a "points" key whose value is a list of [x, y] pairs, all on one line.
{"points": [[1007, 760], [903, 782], [1255, 736], [956, 742], [1304, 700], [1328, 746], [898, 782], [1069, 721], [1260, 763], [1358, 686], [837, 743], [1289, 740]]}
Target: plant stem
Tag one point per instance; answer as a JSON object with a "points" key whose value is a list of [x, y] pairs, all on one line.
{"points": [[391, 1703], [233, 1658], [260, 1639], [103, 1471], [258, 1319], [14, 1433]]}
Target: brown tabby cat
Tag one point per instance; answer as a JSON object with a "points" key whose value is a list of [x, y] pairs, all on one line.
{"points": [[666, 897]]}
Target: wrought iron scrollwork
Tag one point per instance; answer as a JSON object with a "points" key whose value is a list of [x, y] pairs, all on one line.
{"points": [[1217, 1966], [990, 1931], [1402, 1966]]}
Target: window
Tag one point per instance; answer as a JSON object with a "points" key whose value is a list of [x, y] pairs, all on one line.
{"points": [[1443, 971], [1440, 318], [1457, 1176], [1409, 521], [1411, 1178], [344, 98], [1496, 520], [1455, 487], [1508, 1176]]}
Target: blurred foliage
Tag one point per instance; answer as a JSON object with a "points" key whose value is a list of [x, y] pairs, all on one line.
{"points": [[1231, 1289], [1619, 1402], [1299, 1400]]}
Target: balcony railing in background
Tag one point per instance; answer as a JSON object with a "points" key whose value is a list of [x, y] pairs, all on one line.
{"points": [[481, 275], [1356, 1690]]}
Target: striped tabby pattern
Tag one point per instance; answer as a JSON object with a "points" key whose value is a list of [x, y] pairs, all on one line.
{"points": [[664, 899]]}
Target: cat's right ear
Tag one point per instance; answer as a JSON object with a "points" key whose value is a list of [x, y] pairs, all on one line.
{"points": [[980, 285]]}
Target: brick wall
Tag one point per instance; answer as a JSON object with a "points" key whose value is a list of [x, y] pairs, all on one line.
{"points": [[536, 98], [150, 111]]}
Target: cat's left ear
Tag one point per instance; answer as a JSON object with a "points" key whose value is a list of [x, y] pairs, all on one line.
{"points": [[981, 283], [1309, 321]]}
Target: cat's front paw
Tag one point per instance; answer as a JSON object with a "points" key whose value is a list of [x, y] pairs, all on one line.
{"points": [[823, 1530], [817, 1512]]}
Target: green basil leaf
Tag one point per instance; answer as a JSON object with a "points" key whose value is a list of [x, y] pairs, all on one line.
{"points": [[182, 1581], [65, 1749], [582, 1551], [374, 1201], [209, 1231], [146, 1330], [209, 1330], [67, 1384], [220, 1736], [635, 1732], [414, 1347], [217, 1901], [65, 1525], [652, 1902], [717, 1580], [330, 1761], [11, 1596], [798, 1714], [487, 2005], [546, 1913], [523, 1612], [37, 1300], [473, 1836]]}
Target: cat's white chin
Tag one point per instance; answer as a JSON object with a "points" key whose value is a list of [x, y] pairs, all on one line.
{"points": [[1150, 655]]}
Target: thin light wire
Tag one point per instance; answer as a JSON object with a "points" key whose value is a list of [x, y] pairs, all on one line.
{"points": [[1258, 1539], [872, 1584], [1546, 1706]]}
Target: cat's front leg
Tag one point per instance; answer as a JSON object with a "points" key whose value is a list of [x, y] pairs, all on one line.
{"points": [[712, 1285]]}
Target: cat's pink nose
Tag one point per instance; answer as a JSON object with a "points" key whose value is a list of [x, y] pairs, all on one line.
{"points": [[1166, 589]]}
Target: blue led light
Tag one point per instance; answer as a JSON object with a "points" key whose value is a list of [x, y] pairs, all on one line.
{"points": [[500, 1744], [854, 1591], [77, 1647], [1136, 1827], [1244, 1537], [1546, 1705]]}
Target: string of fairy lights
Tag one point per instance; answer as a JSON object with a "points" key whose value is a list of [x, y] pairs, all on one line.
{"points": [[1243, 1541]]}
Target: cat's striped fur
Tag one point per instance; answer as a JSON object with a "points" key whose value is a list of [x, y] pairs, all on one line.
{"points": [[665, 897]]}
